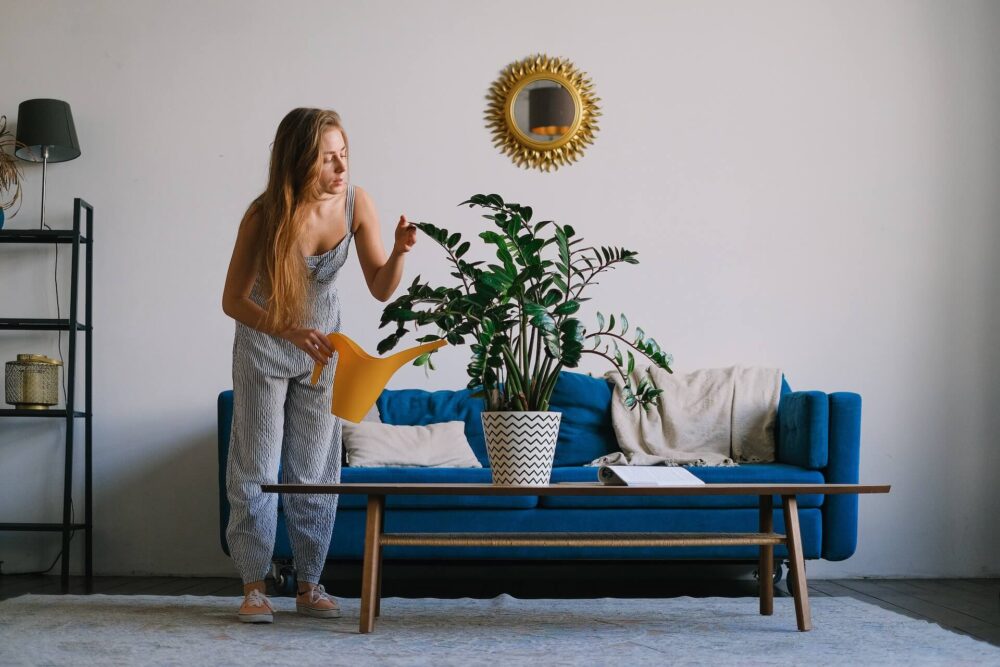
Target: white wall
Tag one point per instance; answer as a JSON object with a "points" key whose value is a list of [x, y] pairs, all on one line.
{"points": [[810, 184]]}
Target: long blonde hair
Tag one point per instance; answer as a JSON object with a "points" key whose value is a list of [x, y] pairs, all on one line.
{"points": [[293, 179]]}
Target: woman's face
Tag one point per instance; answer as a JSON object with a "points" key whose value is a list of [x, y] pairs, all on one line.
{"points": [[333, 172]]}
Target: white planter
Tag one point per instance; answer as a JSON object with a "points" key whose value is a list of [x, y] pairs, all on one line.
{"points": [[521, 446]]}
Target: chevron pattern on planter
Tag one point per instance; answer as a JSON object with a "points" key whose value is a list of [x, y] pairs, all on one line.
{"points": [[521, 446]]}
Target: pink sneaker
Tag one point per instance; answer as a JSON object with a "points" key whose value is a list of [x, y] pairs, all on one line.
{"points": [[317, 603], [256, 608]]}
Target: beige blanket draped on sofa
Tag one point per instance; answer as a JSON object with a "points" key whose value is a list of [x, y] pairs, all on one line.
{"points": [[709, 417]]}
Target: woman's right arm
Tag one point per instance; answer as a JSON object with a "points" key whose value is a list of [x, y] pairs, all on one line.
{"points": [[243, 269]]}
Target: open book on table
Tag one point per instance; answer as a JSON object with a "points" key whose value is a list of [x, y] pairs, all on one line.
{"points": [[646, 476]]}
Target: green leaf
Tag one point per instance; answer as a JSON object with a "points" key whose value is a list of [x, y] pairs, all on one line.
{"points": [[453, 239], [600, 322], [541, 225], [490, 282], [571, 340], [558, 281], [552, 297], [567, 308], [563, 246], [388, 343], [539, 316], [624, 324]]}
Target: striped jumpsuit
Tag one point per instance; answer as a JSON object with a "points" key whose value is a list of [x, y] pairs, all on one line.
{"points": [[279, 417]]}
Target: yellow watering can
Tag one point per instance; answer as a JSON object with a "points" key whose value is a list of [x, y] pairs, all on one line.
{"points": [[360, 377]]}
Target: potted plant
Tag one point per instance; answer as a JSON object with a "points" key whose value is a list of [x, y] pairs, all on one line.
{"points": [[519, 316], [10, 173]]}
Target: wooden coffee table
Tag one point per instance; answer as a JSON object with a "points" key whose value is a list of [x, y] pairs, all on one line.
{"points": [[376, 538]]}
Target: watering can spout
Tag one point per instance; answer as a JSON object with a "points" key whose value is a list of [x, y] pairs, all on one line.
{"points": [[360, 377]]}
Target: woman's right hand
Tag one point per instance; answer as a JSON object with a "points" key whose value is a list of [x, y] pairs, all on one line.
{"points": [[311, 341]]}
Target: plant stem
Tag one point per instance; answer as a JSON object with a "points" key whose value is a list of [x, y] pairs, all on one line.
{"points": [[621, 338], [613, 362], [549, 386]]}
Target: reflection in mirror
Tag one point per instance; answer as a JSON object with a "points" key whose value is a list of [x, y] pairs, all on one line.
{"points": [[544, 110]]}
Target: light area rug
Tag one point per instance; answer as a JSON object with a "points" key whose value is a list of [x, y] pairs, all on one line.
{"points": [[196, 630]]}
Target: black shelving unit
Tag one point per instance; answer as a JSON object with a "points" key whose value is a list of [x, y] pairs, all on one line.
{"points": [[75, 237]]}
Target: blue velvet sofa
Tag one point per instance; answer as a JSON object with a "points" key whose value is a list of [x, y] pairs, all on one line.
{"points": [[818, 439]]}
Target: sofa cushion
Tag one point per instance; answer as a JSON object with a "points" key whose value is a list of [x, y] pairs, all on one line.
{"points": [[426, 476], [749, 473], [585, 431]]}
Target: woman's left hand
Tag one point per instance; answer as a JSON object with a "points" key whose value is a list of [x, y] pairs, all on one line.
{"points": [[406, 236]]}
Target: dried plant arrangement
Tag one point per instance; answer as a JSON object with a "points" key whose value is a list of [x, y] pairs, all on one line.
{"points": [[10, 172]]}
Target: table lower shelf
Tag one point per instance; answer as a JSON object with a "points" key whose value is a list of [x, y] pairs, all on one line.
{"points": [[579, 539]]}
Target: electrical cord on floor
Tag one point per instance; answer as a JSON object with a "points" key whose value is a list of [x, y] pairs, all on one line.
{"points": [[72, 509], [72, 513]]}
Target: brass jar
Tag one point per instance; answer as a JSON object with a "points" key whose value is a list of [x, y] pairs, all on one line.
{"points": [[32, 382]]}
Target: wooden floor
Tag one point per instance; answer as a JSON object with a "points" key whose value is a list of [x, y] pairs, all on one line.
{"points": [[967, 606]]}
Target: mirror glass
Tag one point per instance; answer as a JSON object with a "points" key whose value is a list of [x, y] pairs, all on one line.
{"points": [[544, 110]]}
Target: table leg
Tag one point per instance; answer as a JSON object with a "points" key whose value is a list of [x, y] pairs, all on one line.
{"points": [[373, 558], [765, 567], [378, 585], [796, 566]]}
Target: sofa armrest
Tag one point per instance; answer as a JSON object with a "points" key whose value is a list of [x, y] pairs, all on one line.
{"points": [[840, 512], [225, 417], [803, 429]]}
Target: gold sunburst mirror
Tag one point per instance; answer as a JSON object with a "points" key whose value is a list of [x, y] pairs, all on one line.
{"points": [[542, 112]]}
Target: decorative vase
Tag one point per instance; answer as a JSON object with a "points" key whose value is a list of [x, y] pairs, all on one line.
{"points": [[521, 446], [32, 382]]}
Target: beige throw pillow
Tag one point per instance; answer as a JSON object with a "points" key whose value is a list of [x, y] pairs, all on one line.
{"points": [[443, 445]]}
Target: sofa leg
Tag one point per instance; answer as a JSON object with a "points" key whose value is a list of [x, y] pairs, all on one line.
{"points": [[285, 577]]}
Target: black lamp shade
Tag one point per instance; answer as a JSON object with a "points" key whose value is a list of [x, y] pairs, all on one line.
{"points": [[550, 110], [45, 123]]}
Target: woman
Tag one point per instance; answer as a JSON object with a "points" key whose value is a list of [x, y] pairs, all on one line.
{"points": [[281, 290]]}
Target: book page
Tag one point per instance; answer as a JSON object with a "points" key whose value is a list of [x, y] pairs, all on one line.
{"points": [[647, 476]]}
